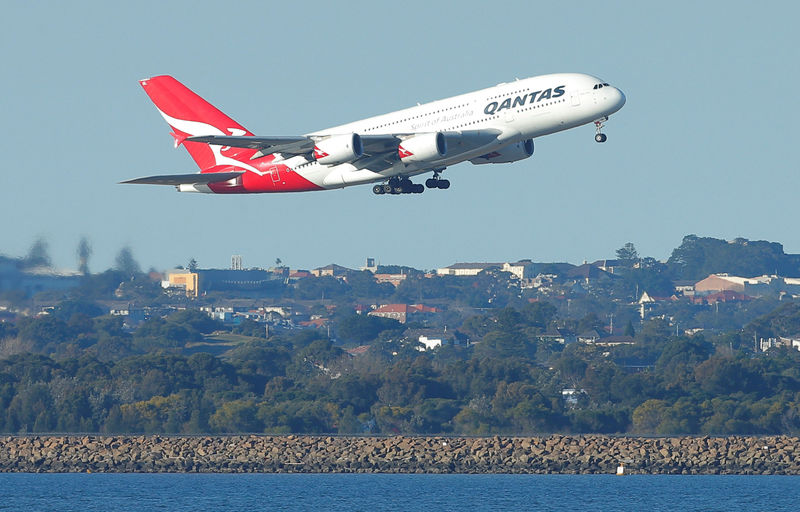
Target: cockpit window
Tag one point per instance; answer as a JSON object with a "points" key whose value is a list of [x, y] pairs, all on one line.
{"points": [[605, 84], [600, 86]]}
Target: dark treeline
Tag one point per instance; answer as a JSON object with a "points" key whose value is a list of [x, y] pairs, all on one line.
{"points": [[77, 373]]}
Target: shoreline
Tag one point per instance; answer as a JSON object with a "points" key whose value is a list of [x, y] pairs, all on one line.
{"points": [[554, 454]]}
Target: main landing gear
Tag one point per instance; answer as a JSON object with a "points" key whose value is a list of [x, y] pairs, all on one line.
{"points": [[436, 181], [600, 136], [405, 186], [398, 186]]}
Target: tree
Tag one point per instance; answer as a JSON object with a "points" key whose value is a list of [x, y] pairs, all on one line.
{"points": [[192, 265], [648, 416], [698, 257], [125, 262], [38, 254], [629, 331], [363, 328], [84, 252], [627, 254]]}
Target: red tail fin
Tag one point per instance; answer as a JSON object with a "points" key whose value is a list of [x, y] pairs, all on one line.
{"points": [[190, 115]]}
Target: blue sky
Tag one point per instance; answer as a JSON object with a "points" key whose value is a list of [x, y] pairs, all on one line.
{"points": [[705, 144]]}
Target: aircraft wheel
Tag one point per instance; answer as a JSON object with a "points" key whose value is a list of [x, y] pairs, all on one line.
{"points": [[444, 184], [397, 190], [600, 137], [377, 189], [387, 189], [418, 188], [431, 183]]}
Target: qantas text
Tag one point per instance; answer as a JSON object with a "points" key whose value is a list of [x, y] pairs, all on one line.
{"points": [[494, 106]]}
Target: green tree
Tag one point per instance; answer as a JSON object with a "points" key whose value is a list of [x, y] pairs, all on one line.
{"points": [[648, 416], [362, 328], [627, 254], [84, 252], [125, 262], [236, 416], [38, 254]]}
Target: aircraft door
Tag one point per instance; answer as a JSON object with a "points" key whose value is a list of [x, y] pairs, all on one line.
{"points": [[576, 99], [275, 172]]}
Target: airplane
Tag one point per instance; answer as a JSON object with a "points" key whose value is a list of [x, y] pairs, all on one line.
{"points": [[493, 125]]}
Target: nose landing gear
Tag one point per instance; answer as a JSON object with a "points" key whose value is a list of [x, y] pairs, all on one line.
{"points": [[599, 135]]}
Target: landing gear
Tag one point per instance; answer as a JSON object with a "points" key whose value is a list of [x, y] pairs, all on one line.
{"points": [[398, 186], [436, 181], [599, 135]]}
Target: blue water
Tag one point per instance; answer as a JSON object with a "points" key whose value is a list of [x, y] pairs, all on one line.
{"points": [[370, 492]]}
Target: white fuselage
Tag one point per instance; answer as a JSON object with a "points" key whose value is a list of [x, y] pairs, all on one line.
{"points": [[511, 112]]}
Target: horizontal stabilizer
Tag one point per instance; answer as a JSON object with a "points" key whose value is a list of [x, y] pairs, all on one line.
{"points": [[186, 179]]}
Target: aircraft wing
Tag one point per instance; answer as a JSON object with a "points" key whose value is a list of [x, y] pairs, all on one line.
{"points": [[186, 179], [295, 145], [290, 145], [374, 145]]}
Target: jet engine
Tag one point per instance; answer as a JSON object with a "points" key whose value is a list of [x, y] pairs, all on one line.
{"points": [[424, 147], [511, 153], [338, 149]]}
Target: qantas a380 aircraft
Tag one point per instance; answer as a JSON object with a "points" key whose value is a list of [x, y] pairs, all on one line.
{"points": [[494, 125]]}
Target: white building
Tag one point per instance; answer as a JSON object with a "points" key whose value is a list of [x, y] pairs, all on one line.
{"points": [[466, 269]]}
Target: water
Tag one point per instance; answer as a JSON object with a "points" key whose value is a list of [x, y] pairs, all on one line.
{"points": [[377, 492]]}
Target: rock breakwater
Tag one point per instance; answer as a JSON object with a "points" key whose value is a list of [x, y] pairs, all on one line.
{"points": [[325, 454]]}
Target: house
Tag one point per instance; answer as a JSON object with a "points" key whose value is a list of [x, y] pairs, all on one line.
{"points": [[222, 313], [467, 269], [791, 341], [609, 266], [184, 281], [684, 287], [298, 274], [316, 322], [571, 396], [429, 343], [752, 286], [615, 341], [393, 279], [723, 296], [403, 312], [332, 270], [523, 269], [587, 273], [430, 339], [725, 282], [558, 335], [590, 336]]}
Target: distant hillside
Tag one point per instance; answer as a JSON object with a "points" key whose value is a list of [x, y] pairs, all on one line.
{"points": [[698, 257]]}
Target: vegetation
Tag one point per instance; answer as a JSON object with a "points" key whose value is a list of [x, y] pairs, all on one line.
{"points": [[75, 372], [511, 365]]}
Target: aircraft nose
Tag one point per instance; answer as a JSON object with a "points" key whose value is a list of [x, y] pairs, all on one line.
{"points": [[619, 101]]}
